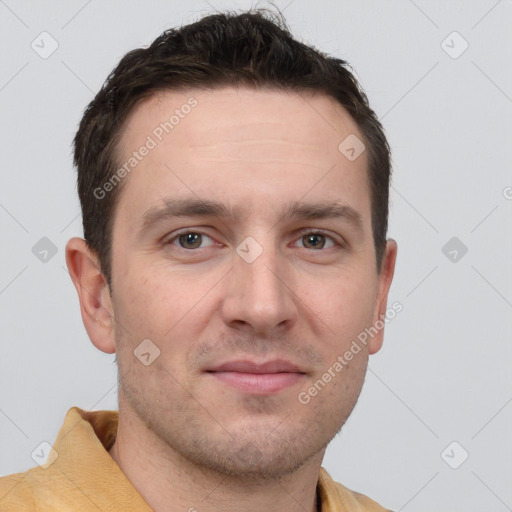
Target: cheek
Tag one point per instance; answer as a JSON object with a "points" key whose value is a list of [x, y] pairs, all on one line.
{"points": [[145, 306], [144, 294], [344, 304], [161, 305]]}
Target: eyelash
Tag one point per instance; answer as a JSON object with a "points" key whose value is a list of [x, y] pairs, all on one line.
{"points": [[335, 242]]}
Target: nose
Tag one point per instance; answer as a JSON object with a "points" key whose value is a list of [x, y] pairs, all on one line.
{"points": [[259, 295]]}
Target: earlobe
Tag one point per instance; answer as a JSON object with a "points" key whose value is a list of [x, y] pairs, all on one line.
{"points": [[93, 294], [385, 278]]}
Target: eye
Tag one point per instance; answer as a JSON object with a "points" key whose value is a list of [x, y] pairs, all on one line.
{"points": [[317, 241], [191, 240]]}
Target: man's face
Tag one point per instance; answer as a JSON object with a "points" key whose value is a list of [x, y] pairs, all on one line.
{"points": [[268, 274]]}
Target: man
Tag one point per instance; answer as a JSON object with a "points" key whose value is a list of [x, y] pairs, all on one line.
{"points": [[234, 190]]}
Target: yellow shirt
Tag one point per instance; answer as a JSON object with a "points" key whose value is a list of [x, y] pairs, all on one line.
{"points": [[81, 476]]}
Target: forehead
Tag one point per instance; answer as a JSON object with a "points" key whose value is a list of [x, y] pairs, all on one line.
{"points": [[218, 115], [250, 148]]}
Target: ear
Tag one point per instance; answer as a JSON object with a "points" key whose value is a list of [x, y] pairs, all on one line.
{"points": [[384, 282], [93, 293]]}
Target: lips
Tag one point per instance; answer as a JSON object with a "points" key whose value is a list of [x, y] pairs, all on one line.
{"points": [[242, 366], [257, 378]]}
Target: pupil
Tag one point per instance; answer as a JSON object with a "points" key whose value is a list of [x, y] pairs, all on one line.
{"points": [[314, 240], [190, 239]]}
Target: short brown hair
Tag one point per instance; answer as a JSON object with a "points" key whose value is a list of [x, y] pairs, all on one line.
{"points": [[254, 48]]}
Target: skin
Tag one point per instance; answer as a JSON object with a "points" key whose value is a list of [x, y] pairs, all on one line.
{"points": [[187, 439]]}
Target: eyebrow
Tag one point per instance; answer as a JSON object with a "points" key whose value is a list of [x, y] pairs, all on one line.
{"points": [[328, 210], [297, 210]]}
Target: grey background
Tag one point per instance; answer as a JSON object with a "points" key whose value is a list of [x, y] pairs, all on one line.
{"points": [[444, 372]]}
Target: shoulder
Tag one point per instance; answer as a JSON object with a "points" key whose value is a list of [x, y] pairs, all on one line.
{"points": [[42, 490], [16, 492]]}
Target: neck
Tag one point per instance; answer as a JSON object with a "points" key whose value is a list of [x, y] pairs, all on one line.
{"points": [[170, 483]]}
